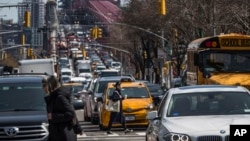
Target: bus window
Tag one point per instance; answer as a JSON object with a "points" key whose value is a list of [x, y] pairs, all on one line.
{"points": [[216, 61]]}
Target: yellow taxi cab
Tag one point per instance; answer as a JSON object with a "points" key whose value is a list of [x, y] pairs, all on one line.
{"points": [[135, 107]]}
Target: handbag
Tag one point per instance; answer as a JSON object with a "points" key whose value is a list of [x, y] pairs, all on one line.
{"points": [[76, 126], [113, 106]]}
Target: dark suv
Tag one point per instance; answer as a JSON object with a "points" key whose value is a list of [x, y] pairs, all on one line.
{"points": [[22, 108]]}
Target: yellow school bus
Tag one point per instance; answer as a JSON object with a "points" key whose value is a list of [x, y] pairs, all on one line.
{"points": [[222, 59]]}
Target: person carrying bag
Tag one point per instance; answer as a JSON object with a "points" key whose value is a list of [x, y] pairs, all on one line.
{"points": [[63, 123], [115, 107]]}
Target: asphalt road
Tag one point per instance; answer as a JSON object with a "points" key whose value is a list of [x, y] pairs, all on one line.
{"points": [[93, 133]]}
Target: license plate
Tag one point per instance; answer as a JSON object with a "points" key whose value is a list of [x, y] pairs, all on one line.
{"points": [[129, 118]]}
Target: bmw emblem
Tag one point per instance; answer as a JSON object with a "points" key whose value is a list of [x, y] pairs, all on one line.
{"points": [[222, 131], [11, 131]]}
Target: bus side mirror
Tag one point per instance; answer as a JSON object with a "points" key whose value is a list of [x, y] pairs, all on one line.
{"points": [[196, 59]]}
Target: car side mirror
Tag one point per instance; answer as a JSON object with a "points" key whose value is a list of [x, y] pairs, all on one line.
{"points": [[151, 115]]}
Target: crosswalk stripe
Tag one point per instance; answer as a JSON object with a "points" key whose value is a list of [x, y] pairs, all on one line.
{"points": [[113, 134], [141, 133], [83, 135]]}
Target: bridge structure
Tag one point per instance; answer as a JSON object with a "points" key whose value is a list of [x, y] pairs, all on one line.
{"points": [[104, 11]]}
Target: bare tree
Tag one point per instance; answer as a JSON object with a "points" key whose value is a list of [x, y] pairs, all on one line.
{"points": [[192, 19]]}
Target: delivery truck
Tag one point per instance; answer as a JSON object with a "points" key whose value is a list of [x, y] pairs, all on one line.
{"points": [[37, 66]]}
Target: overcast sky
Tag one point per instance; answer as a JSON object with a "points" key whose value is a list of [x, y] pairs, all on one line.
{"points": [[10, 13]]}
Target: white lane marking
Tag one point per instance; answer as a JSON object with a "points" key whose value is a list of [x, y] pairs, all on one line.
{"points": [[113, 134], [83, 135], [141, 133]]}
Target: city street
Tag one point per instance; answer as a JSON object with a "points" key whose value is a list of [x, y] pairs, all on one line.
{"points": [[93, 133]]}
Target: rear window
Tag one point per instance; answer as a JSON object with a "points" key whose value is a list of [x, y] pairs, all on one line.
{"points": [[109, 73], [22, 97], [132, 92], [155, 89], [84, 70]]}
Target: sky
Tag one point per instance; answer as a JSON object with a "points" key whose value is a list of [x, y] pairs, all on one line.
{"points": [[10, 13]]}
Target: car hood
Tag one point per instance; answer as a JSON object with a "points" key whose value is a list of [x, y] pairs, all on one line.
{"points": [[23, 118], [204, 124], [136, 104], [230, 79]]}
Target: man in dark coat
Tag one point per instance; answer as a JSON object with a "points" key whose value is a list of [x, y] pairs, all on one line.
{"points": [[117, 116], [60, 112]]}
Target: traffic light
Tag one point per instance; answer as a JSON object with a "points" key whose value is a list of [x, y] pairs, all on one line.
{"points": [[145, 55], [5, 56], [99, 30], [163, 9], [27, 19], [23, 39], [84, 53], [28, 52], [31, 52], [94, 32]]}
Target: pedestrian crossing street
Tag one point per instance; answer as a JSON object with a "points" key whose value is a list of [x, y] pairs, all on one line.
{"points": [[91, 130], [115, 134]]}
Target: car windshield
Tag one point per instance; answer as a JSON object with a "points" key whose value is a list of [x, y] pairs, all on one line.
{"points": [[66, 73], [219, 103], [22, 97], [100, 86], [155, 89], [74, 89], [132, 92], [109, 73]]}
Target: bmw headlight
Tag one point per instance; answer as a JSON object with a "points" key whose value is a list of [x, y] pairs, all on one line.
{"points": [[176, 137]]}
